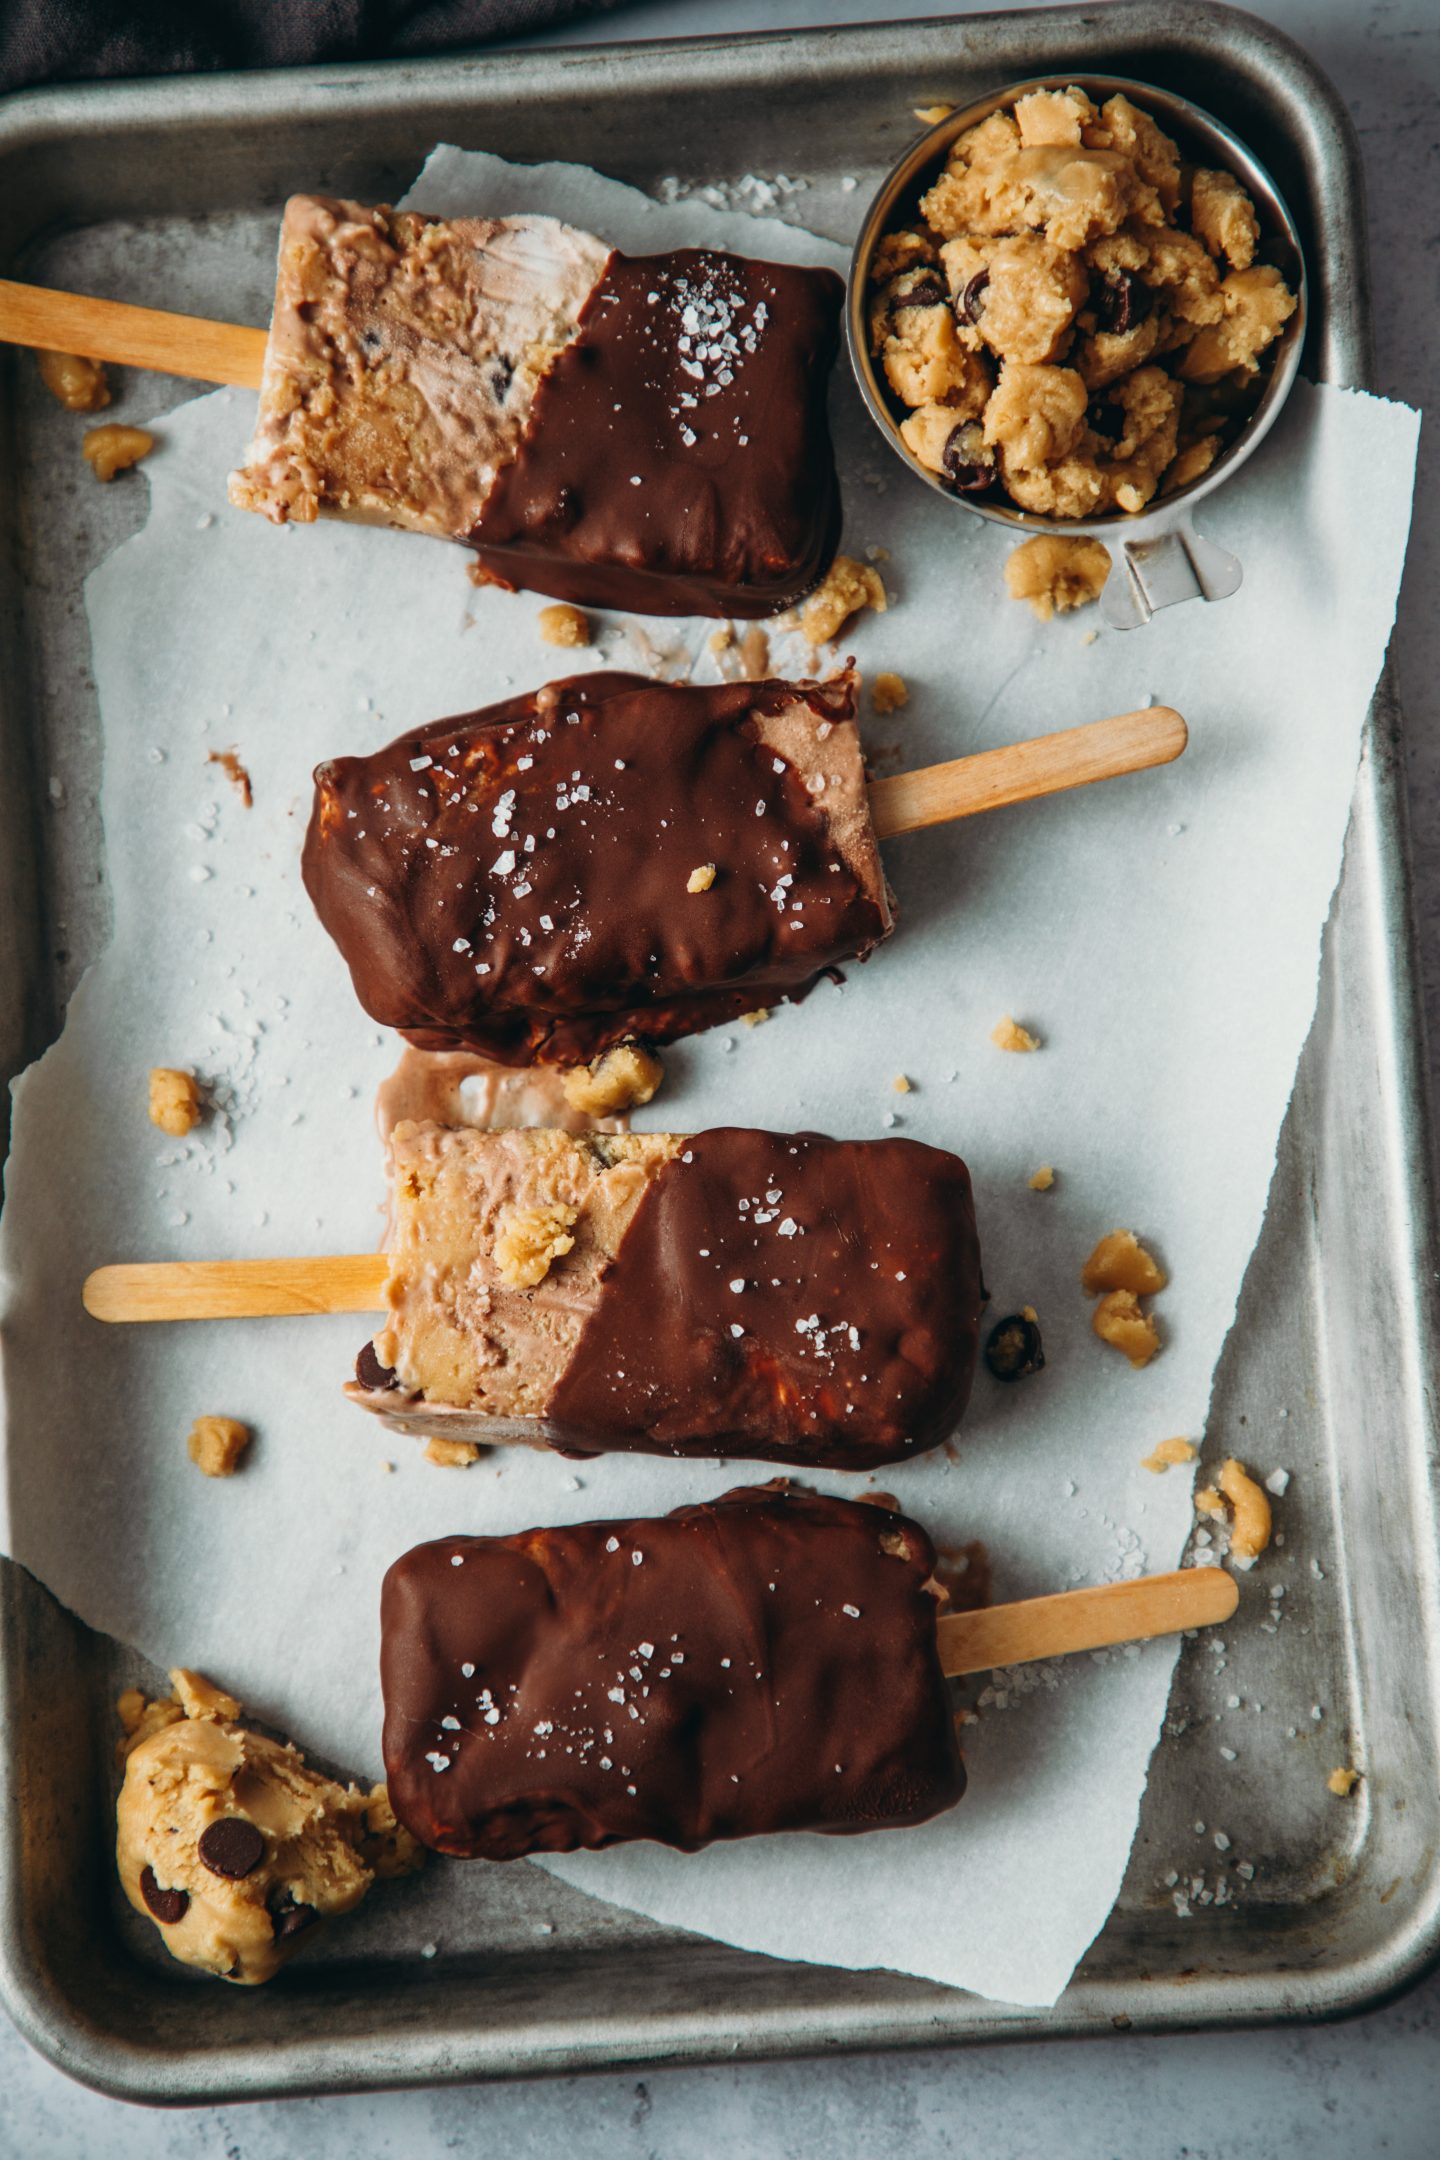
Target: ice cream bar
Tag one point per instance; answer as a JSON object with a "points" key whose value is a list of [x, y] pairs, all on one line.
{"points": [[767, 1661], [644, 432], [776, 1295], [605, 857]]}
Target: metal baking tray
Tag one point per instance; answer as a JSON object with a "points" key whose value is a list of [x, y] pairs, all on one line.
{"points": [[167, 193]]}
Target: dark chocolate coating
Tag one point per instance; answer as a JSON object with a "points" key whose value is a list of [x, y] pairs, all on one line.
{"points": [[677, 459], [767, 1661], [853, 1339], [626, 786]]}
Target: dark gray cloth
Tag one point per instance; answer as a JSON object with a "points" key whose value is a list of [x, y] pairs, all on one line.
{"points": [[83, 40]]}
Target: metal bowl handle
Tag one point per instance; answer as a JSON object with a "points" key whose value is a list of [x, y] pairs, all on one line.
{"points": [[1159, 569]]}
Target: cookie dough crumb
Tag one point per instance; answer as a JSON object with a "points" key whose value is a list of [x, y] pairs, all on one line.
{"points": [[1250, 1519], [1120, 1322], [757, 1018], [80, 385], [1007, 1034], [1342, 1783], [932, 115], [449, 1454], [216, 1445], [139, 1717], [1042, 1179], [1056, 574], [701, 879], [174, 1100], [889, 692], [563, 625], [387, 1845], [235, 773], [903, 1084], [529, 1238], [199, 1697], [1167, 1453], [113, 449], [1208, 1502], [721, 640], [754, 654], [1120, 1262], [625, 1078], [849, 586]]}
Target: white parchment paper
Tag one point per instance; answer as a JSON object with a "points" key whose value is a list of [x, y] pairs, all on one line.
{"points": [[1160, 934]]}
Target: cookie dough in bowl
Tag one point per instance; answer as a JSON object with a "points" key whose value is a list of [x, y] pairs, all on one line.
{"points": [[1075, 303]]}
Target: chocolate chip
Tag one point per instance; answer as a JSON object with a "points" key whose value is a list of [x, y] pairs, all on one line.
{"points": [[231, 1847], [1122, 302], [168, 1906], [968, 306], [1012, 1348], [287, 1917], [967, 469], [370, 1372], [929, 290]]}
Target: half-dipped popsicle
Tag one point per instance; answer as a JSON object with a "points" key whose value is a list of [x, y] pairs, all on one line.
{"points": [[644, 432], [780, 1296]]}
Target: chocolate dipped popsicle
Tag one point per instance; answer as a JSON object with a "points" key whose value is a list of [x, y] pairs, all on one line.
{"points": [[603, 858], [781, 1296], [643, 432], [766, 1661]]}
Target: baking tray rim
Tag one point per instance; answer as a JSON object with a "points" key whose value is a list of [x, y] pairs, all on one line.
{"points": [[1189, 2001]]}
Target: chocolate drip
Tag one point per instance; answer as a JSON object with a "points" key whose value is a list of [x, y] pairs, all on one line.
{"points": [[678, 459], [786, 1297], [515, 881], [767, 1661]]}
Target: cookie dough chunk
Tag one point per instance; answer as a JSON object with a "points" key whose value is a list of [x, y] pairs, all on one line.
{"points": [[174, 1100], [80, 385], [216, 1445], [1018, 296], [1223, 217], [1055, 574], [849, 588], [1257, 305], [230, 1843]]}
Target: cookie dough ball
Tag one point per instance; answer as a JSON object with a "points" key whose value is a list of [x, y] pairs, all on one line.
{"points": [[1222, 218], [924, 358], [946, 444], [900, 251], [1257, 304], [1123, 128], [1147, 409], [174, 1100], [1055, 574], [1036, 415], [1020, 295], [228, 1841]]}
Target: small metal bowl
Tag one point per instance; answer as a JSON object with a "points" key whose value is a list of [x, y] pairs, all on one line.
{"points": [[1157, 557]]}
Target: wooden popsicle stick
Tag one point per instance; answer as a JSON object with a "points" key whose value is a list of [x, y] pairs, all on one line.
{"points": [[1092, 1619], [186, 345], [236, 1289], [1075, 757]]}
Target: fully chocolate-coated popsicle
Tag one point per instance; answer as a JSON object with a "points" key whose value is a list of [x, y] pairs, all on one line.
{"points": [[606, 857], [767, 1661], [644, 432], [776, 1295]]}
